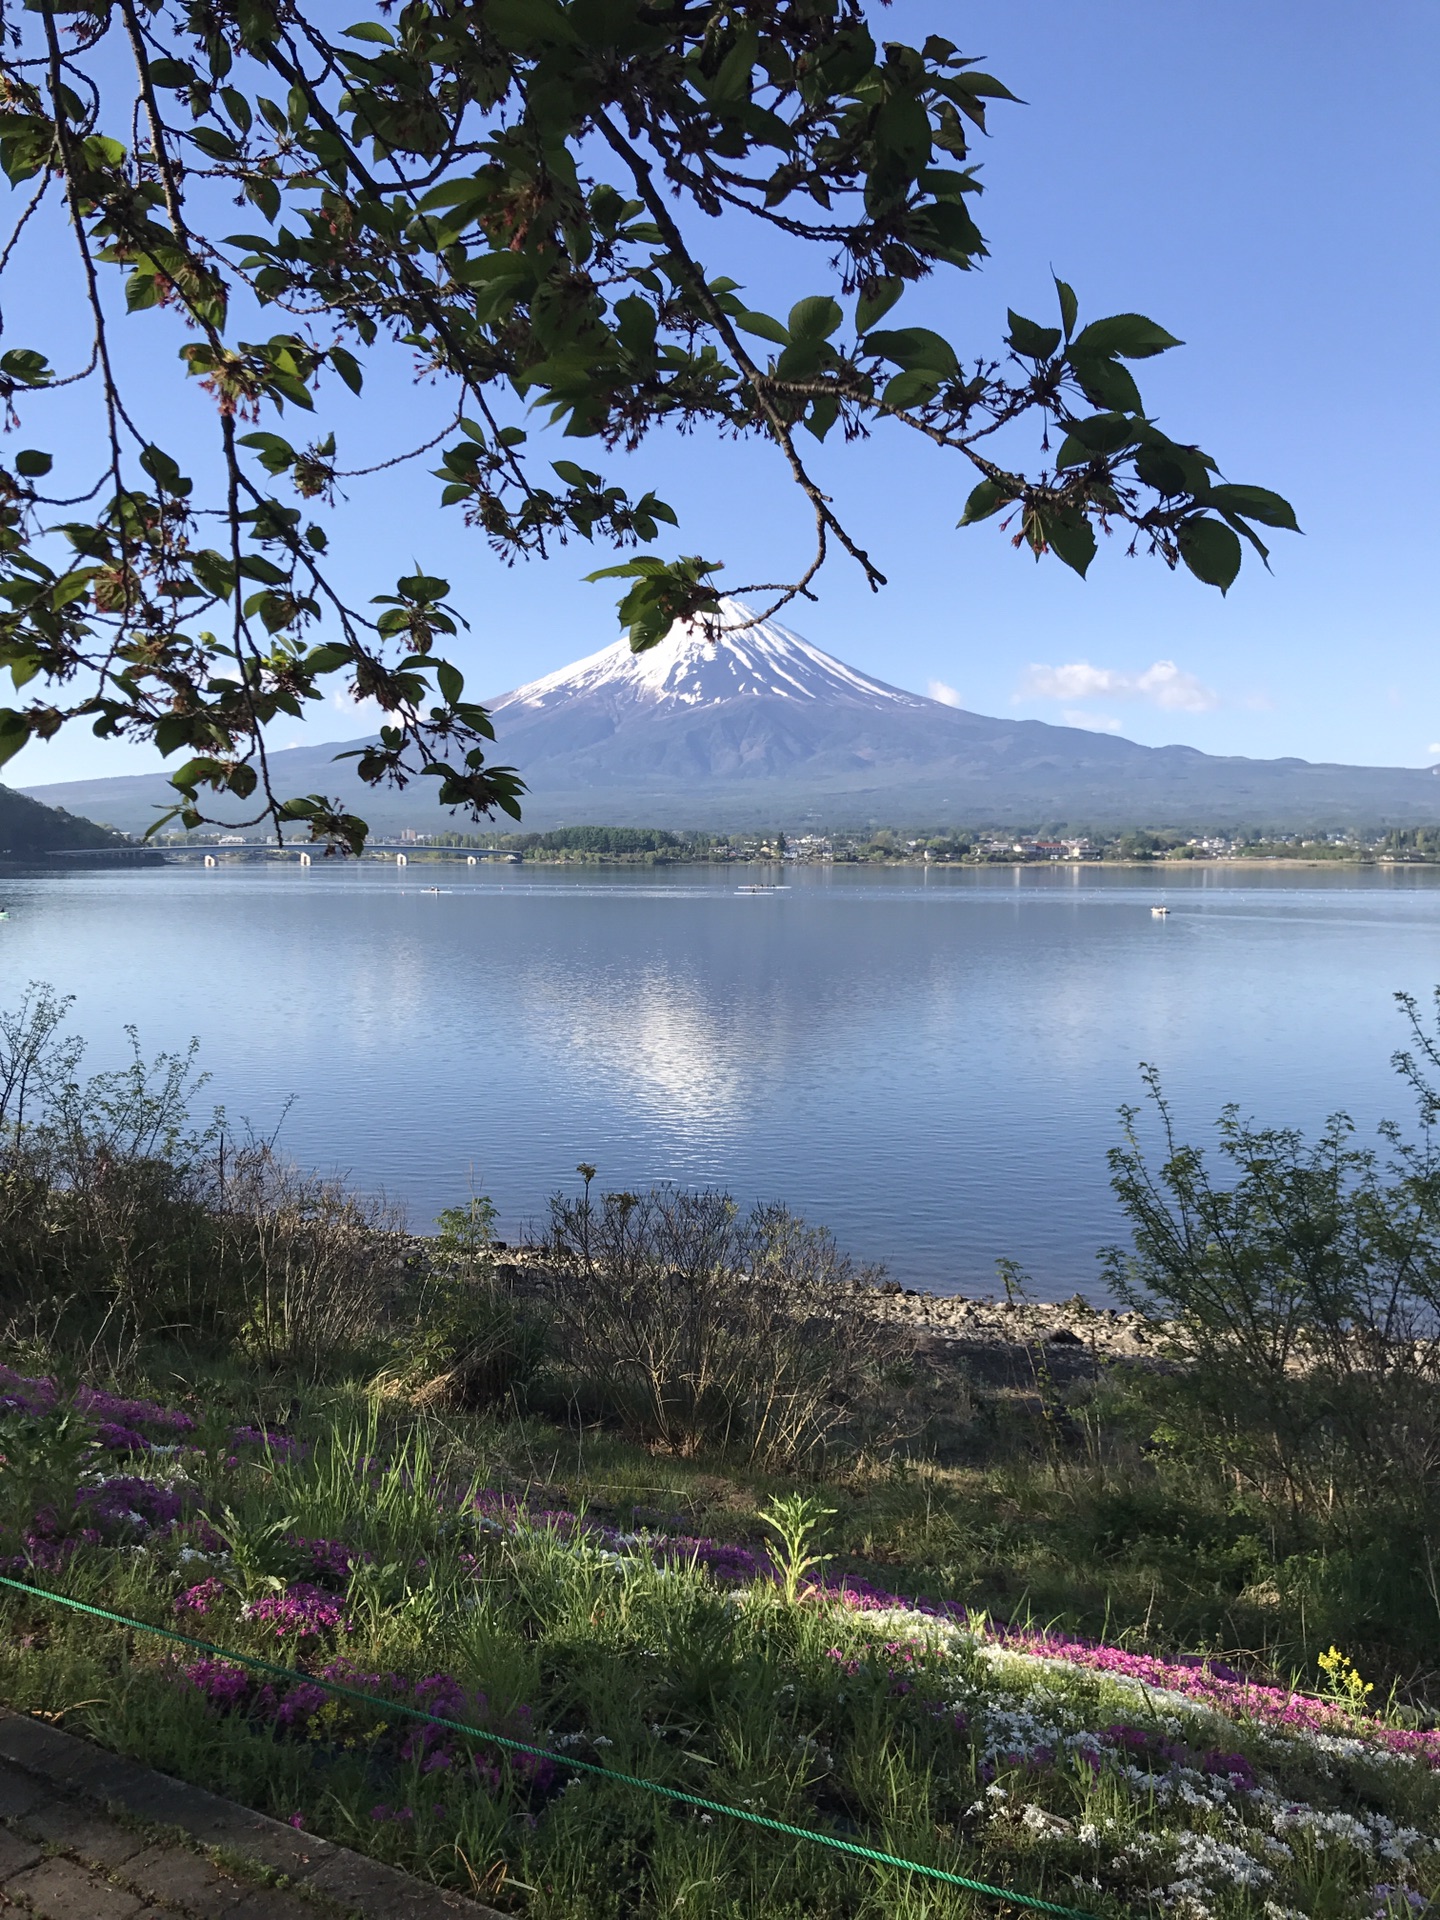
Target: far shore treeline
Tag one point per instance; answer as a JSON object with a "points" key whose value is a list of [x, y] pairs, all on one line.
{"points": [[883, 845], [30, 830]]}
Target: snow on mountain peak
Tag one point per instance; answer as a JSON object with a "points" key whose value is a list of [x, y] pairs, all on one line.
{"points": [[689, 669]]}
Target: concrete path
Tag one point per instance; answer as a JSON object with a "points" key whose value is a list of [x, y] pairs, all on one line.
{"points": [[87, 1835]]}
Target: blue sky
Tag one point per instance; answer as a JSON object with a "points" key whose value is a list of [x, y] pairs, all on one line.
{"points": [[1261, 178]]}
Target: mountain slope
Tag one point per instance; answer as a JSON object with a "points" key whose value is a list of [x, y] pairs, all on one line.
{"points": [[760, 727], [28, 827]]}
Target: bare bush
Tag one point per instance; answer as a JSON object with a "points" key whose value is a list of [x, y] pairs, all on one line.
{"points": [[119, 1213], [306, 1265], [700, 1327]]}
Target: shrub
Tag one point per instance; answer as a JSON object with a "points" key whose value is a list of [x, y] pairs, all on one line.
{"points": [[122, 1219], [472, 1341], [1303, 1296], [699, 1327]]}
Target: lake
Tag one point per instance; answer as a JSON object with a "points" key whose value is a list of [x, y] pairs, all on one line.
{"points": [[927, 1062]]}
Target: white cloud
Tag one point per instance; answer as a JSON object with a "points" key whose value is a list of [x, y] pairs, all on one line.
{"points": [[947, 696], [1163, 685], [1092, 722], [354, 708], [1434, 747]]}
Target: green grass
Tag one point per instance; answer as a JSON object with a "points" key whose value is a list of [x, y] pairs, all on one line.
{"points": [[802, 1711]]}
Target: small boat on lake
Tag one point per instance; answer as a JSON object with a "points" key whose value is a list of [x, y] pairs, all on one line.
{"points": [[755, 888], [1159, 913]]}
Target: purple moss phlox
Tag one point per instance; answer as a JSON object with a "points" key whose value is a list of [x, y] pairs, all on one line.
{"points": [[129, 1500], [330, 1561], [200, 1599], [295, 1711], [1236, 1698], [300, 1612], [306, 1609]]}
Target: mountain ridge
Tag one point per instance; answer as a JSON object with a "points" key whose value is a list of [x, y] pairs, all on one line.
{"points": [[29, 827], [758, 727]]}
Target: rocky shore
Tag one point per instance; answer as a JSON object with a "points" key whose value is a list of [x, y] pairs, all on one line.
{"points": [[1101, 1333], [999, 1337]]}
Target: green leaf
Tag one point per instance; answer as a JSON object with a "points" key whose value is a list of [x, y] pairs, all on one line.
{"points": [[1211, 551], [1071, 538], [191, 775], [763, 327], [370, 30], [823, 414], [265, 195], [1033, 342], [914, 389], [1247, 532], [14, 733], [1069, 305], [1128, 336], [876, 300], [428, 587], [1105, 383], [989, 497], [170, 73], [1254, 503], [732, 78], [162, 469], [451, 682], [801, 359], [31, 464], [643, 566], [348, 368], [901, 131], [1101, 434], [213, 571], [217, 145], [172, 730], [1168, 470], [141, 291], [26, 367], [238, 108], [815, 319], [328, 658], [916, 349]]}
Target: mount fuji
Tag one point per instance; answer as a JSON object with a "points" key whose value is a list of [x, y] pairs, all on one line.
{"points": [[760, 728]]}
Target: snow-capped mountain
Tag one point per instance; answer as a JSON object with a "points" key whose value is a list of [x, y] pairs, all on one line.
{"points": [[695, 666], [757, 727]]}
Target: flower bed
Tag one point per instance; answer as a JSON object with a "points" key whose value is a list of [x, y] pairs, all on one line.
{"points": [[1118, 1782]]}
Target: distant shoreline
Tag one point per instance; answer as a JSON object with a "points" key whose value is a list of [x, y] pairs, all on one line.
{"points": [[428, 856]]}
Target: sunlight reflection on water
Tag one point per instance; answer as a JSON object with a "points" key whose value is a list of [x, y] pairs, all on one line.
{"points": [[929, 1064]]}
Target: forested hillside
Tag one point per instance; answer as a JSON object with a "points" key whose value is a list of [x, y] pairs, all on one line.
{"points": [[27, 827]]}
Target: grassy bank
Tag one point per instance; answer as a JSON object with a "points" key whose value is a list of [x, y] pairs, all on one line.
{"points": [[669, 1497], [568, 1591]]}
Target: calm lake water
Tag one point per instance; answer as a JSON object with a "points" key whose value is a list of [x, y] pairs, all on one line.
{"points": [[930, 1064]]}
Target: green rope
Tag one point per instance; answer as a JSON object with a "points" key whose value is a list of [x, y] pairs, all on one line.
{"points": [[772, 1825]]}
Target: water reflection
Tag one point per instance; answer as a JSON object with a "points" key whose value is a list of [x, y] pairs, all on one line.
{"points": [[928, 1062]]}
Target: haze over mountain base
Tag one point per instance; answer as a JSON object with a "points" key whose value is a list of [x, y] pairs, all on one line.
{"points": [[758, 728]]}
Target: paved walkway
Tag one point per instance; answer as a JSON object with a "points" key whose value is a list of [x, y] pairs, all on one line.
{"points": [[86, 1835]]}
